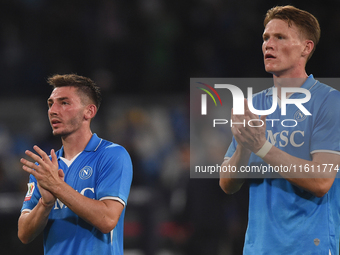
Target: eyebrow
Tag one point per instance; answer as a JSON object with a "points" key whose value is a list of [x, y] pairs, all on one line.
{"points": [[274, 34], [50, 100]]}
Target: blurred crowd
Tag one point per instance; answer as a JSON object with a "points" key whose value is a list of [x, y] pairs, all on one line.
{"points": [[142, 54]]}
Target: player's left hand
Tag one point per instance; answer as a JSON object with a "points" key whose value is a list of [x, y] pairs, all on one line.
{"points": [[251, 136], [46, 173]]}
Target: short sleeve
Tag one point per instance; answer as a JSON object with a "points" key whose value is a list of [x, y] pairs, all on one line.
{"points": [[32, 196], [115, 175], [326, 130]]}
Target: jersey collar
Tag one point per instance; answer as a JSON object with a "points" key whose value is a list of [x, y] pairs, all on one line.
{"points": [[308, 84], [92, 145]]}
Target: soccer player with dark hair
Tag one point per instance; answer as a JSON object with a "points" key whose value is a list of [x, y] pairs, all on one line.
{"points": [[298, 213], [78, 194]]}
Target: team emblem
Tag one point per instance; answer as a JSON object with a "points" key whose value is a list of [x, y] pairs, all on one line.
{"points": [[30, 191], [85, 172], [299, 116]]}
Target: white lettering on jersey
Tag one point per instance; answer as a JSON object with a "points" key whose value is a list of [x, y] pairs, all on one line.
{"points": [[271, 137], [59, 205], [285, 138], [292, 141], [83, 191], [58, 202]]}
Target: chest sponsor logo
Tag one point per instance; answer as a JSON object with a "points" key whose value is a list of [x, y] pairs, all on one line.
{"points": [[85, 172], [31, 187], [60, 205], [283, 138]]}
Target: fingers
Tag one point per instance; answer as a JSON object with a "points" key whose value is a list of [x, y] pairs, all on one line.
{"points": [[247, 112], [28, 163], [34, 156], [54, 157], [61, 174], [26, 168], [249, 119], [245, 101], [42, 154], [248, 129], [42, 161]]}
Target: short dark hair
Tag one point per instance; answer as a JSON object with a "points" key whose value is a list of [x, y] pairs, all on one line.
{"points": [[306, 22], [85, 85]]}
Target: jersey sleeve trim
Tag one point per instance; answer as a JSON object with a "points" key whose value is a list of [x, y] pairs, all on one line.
{"points": [[114, 198], [327, 151]]}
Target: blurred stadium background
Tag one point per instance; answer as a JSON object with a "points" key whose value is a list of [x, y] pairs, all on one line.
{"points": [[142, 54]]}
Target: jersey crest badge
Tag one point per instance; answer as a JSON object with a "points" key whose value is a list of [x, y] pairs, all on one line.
{"points": [[85, 172], [31, 187], [299, 116]]}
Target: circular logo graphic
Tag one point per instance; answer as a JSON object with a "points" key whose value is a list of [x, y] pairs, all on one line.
{"points": [[299, 116], [85, 173]]}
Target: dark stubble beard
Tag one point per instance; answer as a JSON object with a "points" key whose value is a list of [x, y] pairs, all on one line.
{"points": [[75, 123]]}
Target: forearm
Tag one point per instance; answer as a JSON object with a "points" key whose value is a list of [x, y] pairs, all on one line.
{"points": [[31, 224], [95, 212], [317, 181], [232, 181], [103, 215]]}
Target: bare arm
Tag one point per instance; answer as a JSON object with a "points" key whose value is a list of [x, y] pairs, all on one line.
{"points": [[231, 182], [31, 223], [317, 183], [103, 214]]}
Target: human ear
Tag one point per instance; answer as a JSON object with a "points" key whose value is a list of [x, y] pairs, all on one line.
{"points": [[308, 47], [90, 111]]}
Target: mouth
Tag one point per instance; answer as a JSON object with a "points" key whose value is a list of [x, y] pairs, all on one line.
{"points": [[55, 122], [269, 56]]}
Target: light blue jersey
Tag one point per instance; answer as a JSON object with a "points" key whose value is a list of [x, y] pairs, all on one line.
{"points": [[102, 171], [284, 219]]}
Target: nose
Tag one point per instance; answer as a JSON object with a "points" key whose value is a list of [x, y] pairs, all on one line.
{"points": [[268, 44], [53, 110]]}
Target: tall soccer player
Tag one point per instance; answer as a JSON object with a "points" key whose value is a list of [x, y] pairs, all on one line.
{"points": [[78, 194], [298, 213]]}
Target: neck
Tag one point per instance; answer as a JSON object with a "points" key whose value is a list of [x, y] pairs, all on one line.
{"points": [[295, 80], [75, 143]]}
